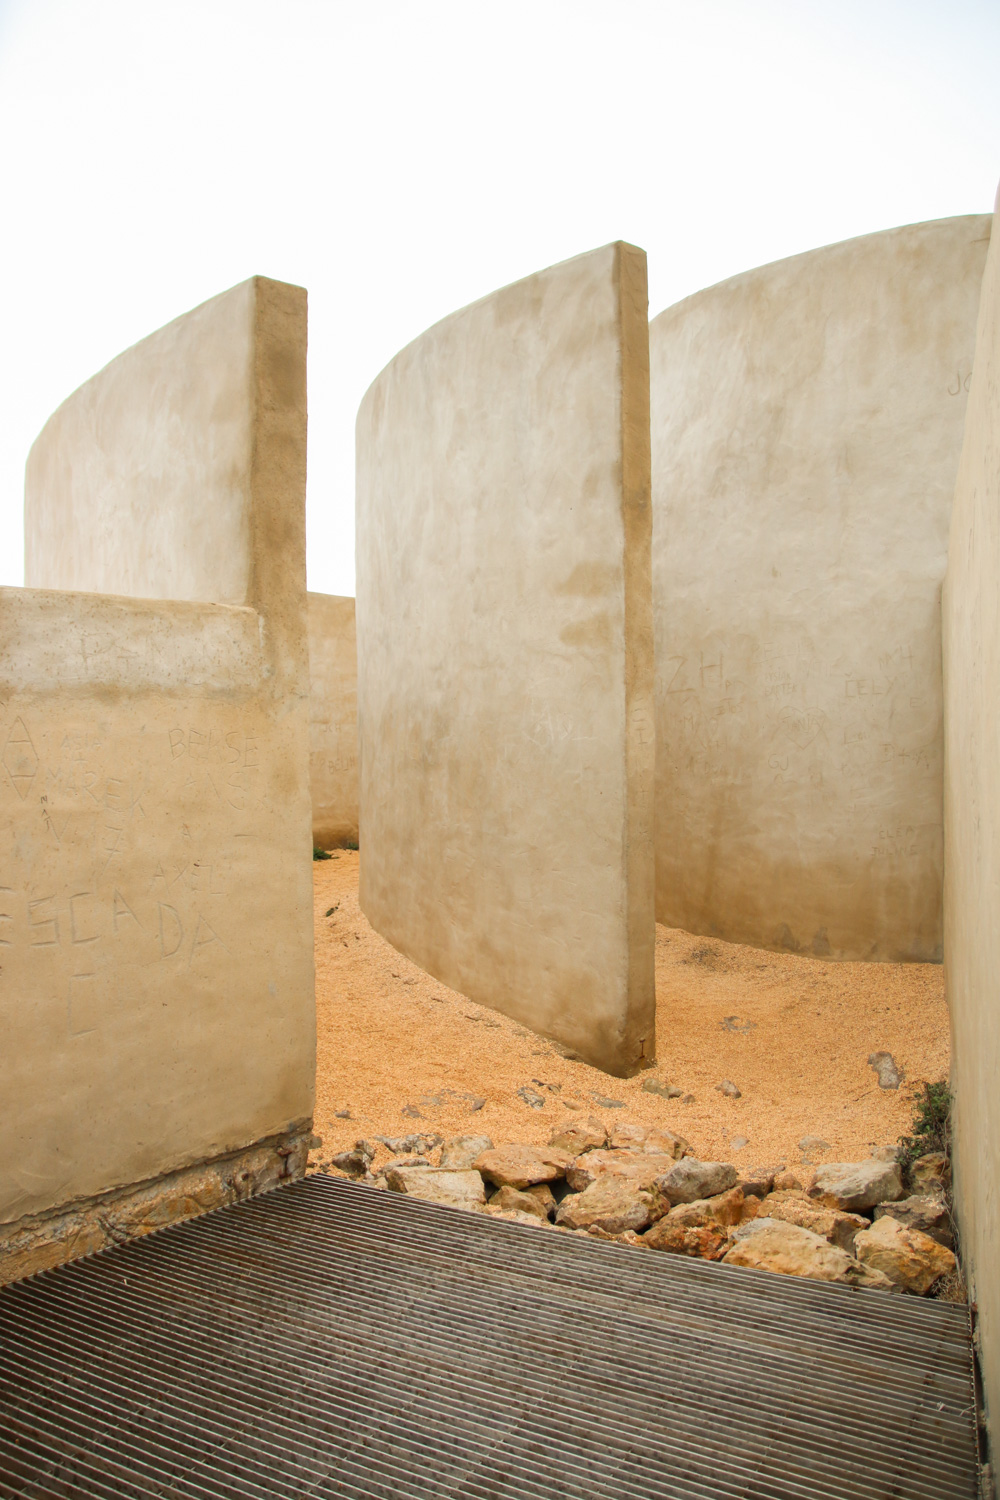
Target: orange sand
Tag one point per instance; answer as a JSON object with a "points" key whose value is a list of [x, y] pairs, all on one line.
{"points": [[389, 1036]]}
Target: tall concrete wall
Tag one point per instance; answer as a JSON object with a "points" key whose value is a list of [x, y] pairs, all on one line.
{"points": [[333, 720], [806, 426], [505, 654], [157, 983], [972, 824]]}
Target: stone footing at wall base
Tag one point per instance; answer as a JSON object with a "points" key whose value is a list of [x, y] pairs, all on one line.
{"points": [[40, 1241]]}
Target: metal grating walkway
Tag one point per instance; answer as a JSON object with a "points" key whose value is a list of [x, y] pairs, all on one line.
{"points": [[330, 1339]]}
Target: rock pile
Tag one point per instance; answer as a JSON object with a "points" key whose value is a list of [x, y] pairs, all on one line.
{"points": [[856, 1223]]}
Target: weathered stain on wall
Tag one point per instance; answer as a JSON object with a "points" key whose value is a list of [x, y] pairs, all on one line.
{"points": [[333, 720], [806, 427], [156, 985], [971, 613], [505, 655]]}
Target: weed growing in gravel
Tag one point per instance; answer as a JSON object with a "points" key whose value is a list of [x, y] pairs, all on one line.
{"points": [[931, 1127]]}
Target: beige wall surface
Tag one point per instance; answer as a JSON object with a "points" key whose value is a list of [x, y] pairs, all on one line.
{"points": [[505, 654], [156, 982], [333, 720], [972, 823], [135, 452], [806, 426]]}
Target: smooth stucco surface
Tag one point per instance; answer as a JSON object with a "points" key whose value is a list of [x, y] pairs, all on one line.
{"points": [[806, 427], [156, 984], [134, 453], [972, 824], [333, 720], [505, 654]]}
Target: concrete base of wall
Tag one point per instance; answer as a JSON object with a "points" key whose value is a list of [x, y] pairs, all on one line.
{"points": [[40, 1241]]}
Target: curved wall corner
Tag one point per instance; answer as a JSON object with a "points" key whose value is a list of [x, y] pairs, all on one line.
{"points": [[971, 613], [505, 673], [806, 428], [333, 720]]}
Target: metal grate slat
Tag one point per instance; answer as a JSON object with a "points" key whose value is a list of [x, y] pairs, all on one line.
{"points": [[327, 1339]]}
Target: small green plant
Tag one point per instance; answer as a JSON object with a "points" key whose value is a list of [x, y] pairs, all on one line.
{"points": [[321, 853], [351, 846], [931, 1127]]}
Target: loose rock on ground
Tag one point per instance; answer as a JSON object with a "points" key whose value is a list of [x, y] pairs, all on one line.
{"points": [[910, 1259], [854, 1223]]}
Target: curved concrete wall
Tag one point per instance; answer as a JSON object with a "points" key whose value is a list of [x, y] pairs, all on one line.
{"points": [[505, 654], [972, 824], [156, 991], [806, 426], [136, 454], [333, 720]]}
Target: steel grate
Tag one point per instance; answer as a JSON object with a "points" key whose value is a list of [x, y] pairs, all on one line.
{"points": [[330, 1339]]}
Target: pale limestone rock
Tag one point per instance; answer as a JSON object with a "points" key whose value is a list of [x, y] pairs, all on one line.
{"points": [[406, 1161], [408, 1145], [515, 1216], [543, 1195], [351, 1163], [462, 1152], [690, 1179], [726, 1210], [757, 1182], [627, 1236], [752, 1226], [517, 1200], [794, 1179], [930, 1173], [929, 1213], [698, 1228], [911, 1260], [660, 1087], [579, 1135], [795, 1208], [610, 1203], [770, 1245], [650, 1138], [638, 1167], [438, 1185], [706, 1241], [889, 1075], [523, 1166], [855, 1186]]}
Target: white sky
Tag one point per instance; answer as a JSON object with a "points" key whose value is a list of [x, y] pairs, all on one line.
{"points": [[402, 157]]}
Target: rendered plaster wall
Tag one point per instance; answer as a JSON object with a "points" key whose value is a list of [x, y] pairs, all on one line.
{"points": [[156, 985], [806, 427], [333, 720], [972, 826], [505, 655], [136, 453]]}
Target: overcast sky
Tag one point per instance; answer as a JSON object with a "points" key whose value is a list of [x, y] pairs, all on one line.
{"points": [[401, 158]]}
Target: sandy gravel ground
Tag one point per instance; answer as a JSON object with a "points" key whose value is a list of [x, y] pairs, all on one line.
{"points": [[398, 1052]]}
